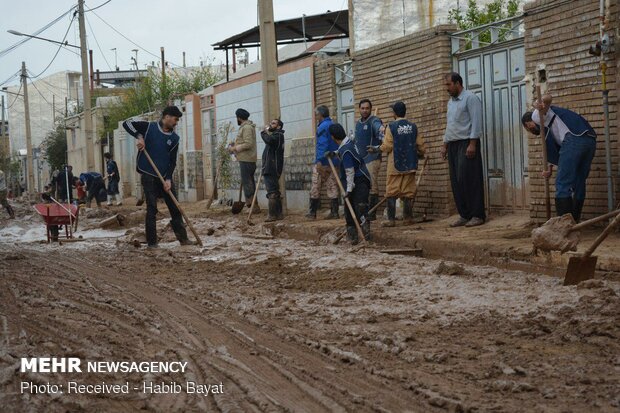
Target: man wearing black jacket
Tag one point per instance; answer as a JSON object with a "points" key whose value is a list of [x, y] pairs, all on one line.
{"points": [[273, 161], [162, 144]]}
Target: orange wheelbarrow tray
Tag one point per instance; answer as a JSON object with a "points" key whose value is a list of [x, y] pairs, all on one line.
{"points": [[55, 215]]}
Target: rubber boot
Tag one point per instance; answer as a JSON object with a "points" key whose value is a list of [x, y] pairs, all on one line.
{"points": [[407, 211], [279, 213], [314, 206], [272, 211], [364, 221], [374, 200], [333, 213], [352, 235], [577, 207], [564, 206], [109, 200], [391, 213]]}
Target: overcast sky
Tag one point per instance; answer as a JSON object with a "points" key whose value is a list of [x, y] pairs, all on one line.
{"points": [[178, 25]]}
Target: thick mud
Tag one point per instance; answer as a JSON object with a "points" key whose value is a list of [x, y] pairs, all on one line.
{"points": [[296, 325]]}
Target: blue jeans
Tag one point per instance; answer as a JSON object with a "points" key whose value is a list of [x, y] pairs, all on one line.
{"points": [[576, 156]]}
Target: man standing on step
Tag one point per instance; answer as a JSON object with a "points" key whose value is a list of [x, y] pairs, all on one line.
{"points": [[162, 144], [404, 147], [244, 150], [273, 161], [355, 180], [461, 148], [321, 172], [113, 179], [571, 144], [368, 132]]}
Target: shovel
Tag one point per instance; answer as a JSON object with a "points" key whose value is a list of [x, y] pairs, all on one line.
{"points": [[174, 199], [415, 192], [254, 198], [582, 268], [346, 200], [237, 206]]}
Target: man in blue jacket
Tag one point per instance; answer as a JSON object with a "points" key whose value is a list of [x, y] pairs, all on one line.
{"points": [[95, 187], [571, 144], [369, 132], [162, 144], [355, 180], [321, 172]]}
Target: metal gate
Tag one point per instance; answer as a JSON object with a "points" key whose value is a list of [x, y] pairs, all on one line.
{"points": [[495, 70]]}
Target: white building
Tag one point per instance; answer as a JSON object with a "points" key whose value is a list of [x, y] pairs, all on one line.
{"points": [[46, 101]]}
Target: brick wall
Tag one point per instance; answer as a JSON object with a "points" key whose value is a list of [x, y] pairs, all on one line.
{"points": [[558, 35], [411, 69]]}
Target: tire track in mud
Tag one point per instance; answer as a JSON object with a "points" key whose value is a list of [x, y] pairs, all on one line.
{"points": [[267, 372]]}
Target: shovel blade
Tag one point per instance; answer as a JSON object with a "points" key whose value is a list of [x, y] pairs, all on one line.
{"points": [[237, 207], [580, 269]]}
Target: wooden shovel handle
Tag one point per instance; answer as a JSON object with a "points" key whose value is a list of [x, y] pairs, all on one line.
{"points": [[602, 237], [174, 199], [544, 153], [595, 220], [346, 200], [255, 195]]}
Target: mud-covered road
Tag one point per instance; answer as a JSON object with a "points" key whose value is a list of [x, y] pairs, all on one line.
{"points": [[292, 325]]}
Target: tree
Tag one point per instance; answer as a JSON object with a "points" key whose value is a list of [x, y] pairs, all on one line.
{"points": [[153, 93], [55, 147], [475, 16]]}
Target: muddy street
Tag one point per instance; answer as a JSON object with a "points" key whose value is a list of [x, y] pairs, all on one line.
{"points": [[286, 323]]}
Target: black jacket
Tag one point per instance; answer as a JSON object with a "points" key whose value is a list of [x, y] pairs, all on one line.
{"points": [[273, 154]]}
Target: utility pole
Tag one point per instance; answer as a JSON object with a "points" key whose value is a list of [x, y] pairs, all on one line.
{"points": [[88, 120], [2, 127], [269, 69], [29, 162]]}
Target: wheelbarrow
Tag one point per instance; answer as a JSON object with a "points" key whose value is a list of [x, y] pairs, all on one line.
{"points": [[55, 215]]}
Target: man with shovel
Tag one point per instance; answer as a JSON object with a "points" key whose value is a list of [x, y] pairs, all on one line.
{"points": [[571, 144], [355, 180], [244, 150], [162, 144], [405, 147]]}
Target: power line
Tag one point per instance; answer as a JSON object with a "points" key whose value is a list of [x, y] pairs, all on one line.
{"points": [[45, 99], [57, 50], [131, 41], [16, 96], [36, 33], [97, 42], [101, 5], [10, 78]]}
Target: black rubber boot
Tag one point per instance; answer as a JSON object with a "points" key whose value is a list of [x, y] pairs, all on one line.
{"points": [[364, 221], [564, 206], [408, 211], [352, 235], [391, 213], [279, 211], [314, 206], [374, 200], [272, 213], [577, 207], [333, 214]]}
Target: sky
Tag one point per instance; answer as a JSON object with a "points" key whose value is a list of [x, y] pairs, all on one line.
{"points": [[178, 25]]}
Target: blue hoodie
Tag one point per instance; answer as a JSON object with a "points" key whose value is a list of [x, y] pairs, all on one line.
{"points": [[324, 142]]}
